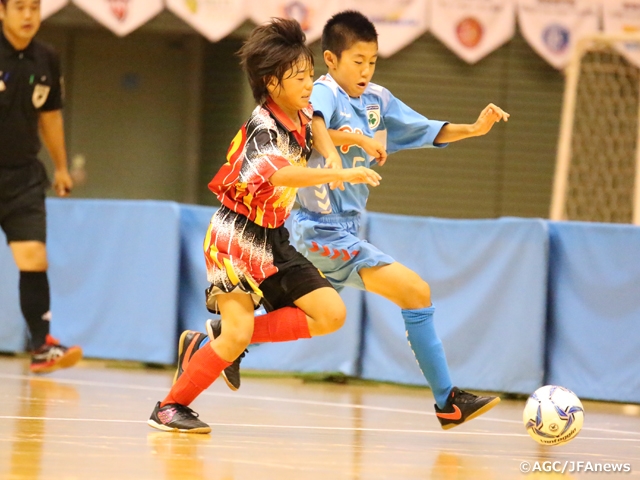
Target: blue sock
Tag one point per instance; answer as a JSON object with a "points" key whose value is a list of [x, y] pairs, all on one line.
{"points": [[429, 352]]}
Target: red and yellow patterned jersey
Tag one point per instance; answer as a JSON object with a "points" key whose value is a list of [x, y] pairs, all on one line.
{"points": [[268, 142]]}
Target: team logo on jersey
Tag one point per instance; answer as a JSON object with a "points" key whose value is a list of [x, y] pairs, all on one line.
{"points": [[347, 128], [373, 116], [556, 38], [40, 94], [119, 8]]}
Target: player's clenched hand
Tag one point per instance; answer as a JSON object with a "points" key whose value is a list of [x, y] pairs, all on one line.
{"points": [[488, 117], [361, 175], [62, 183], [374, 148], [334, 162]]}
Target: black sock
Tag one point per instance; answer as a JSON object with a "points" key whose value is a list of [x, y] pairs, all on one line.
{"points": [[34, 301]]}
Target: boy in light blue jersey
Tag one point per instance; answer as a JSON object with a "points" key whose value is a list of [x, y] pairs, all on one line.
{"points": [[365, 121]]}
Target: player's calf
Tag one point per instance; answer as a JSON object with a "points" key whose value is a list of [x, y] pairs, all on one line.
{"points": [[231, 374]]}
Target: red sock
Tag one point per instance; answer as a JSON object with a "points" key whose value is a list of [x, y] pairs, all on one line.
{"points": [[204, 367], [282, 325]]}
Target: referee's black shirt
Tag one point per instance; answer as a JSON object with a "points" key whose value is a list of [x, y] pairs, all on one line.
{"points": [[30, 83]]}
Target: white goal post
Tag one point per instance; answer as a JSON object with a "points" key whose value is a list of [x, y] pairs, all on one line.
{"points": [[597, 176]]}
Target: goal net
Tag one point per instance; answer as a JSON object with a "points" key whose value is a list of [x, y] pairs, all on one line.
{"points": [[597, 169]]}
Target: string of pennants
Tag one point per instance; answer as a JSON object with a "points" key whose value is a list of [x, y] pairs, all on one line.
{"points": [[471, 29]]}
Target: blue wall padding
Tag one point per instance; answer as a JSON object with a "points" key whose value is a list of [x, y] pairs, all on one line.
{"points": [[594, 310], [488, 283], [113, 269], [519, 302]]}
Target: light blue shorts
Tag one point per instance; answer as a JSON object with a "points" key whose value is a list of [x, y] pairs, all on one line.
{"points": [[332, 244]]}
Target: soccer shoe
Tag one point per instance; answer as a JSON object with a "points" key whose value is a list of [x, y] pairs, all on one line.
{"points": [[52, 356], [188, 344], [231, 374], [463, 406], [174, 417]]}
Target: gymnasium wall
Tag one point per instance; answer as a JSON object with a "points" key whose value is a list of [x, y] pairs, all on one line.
{"points": [[520, 302], [160, 107]]}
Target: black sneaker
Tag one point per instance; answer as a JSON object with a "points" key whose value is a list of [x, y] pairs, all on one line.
{"points": [[174, 417], [462, 406], [188, 344], [52, 356], [231, 374]]}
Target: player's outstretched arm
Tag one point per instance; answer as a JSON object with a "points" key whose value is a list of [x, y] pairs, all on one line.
{"points": [[299, 177], [324, 145], [453, 132]]}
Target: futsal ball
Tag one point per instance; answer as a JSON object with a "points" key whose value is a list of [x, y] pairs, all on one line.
{"points": [[553, 415]]}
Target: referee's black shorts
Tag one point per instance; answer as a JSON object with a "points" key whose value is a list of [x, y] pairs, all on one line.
{"points": [[22, 211]]}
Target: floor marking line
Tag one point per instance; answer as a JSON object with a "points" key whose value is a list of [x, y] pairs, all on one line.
{"points": [[282, 400]]}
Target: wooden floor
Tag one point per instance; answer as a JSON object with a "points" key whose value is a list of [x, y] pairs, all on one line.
{"points": [[90, 423]]}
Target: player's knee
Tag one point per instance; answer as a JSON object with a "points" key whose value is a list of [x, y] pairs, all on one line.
{"points": [[332, 318], [236, 339], [417, 296], [32, 259]]}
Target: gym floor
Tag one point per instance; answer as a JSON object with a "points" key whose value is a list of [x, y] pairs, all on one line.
{"points": [[90, 423]]}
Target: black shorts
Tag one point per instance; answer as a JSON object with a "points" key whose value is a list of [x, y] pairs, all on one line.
{"points": [[288, 285], [22, 209], [256, 260]]}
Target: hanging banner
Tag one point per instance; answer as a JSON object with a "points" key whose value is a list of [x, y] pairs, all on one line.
{"points": [[310, 14], [623, 16], [215, 19], [121, 16], [473, 29], [49, 7], [398, 22], [552, 27]]}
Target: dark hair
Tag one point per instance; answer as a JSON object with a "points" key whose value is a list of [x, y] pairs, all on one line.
{"points": [[4, 2], [270, 51], [346, 28]]}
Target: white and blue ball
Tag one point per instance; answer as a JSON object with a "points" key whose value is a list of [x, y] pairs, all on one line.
{"points": [[553, 415]]}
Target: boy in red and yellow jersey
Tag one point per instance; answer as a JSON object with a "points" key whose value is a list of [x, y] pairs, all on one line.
{"points": [[247, 250]]}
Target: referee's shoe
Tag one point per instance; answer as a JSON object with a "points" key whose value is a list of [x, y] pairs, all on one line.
{"points": [[52, 356]]}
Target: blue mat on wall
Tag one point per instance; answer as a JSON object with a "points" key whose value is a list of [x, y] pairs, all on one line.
{"points": [[594, 310], [488, 283], [12, 326], [337, 352], [113, 269]]}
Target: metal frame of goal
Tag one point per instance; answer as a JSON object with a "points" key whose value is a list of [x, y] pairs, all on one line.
{"points": [[597, 175]]}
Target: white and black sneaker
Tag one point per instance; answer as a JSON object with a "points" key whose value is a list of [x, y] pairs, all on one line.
{"points": [[52, 356], [174, 417]]}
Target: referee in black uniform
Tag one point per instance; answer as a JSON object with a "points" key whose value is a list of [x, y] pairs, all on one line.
{"points": [[31, 101]]}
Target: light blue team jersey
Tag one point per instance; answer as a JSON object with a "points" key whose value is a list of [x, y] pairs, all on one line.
{"points": [[376, 113]]}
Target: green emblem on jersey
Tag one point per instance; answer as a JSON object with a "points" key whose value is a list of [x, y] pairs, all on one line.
{"points": [[373, 116]]}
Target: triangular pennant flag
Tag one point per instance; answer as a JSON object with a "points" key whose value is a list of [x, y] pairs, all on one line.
{"points": [[310, 14], [49, 7], [553, 28], [398, 22], [473, 29], [121, 16], [214, 19], [623, 16]]}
